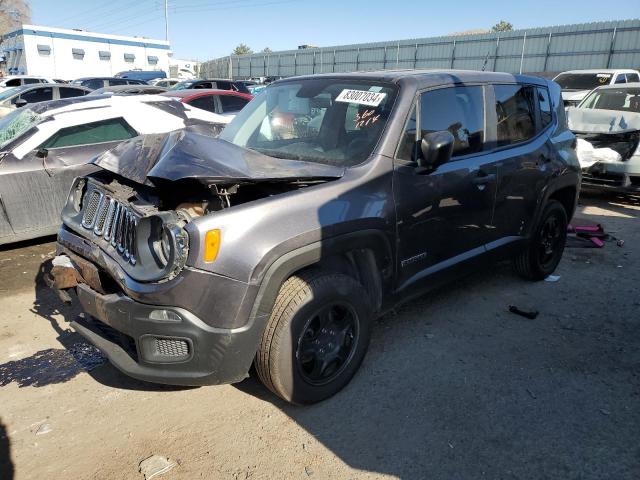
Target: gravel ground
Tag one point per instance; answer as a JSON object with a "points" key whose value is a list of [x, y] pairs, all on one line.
{"points": [[453, 386]]}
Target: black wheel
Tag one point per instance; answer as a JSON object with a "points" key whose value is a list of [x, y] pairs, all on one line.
{"points": [[316, 338], [544, 251]]}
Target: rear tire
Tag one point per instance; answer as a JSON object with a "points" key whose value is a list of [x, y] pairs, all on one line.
{"points": [[316, 337], [544, 250]]}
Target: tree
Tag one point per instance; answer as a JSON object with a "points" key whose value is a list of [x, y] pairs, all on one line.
{"points": [[266, 50], [242, 49], [502, 26], [13, 13]]}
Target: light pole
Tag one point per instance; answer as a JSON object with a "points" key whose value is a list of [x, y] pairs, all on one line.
{"points": [[166, 20]]}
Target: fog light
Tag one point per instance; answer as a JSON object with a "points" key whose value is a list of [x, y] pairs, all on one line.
{"points": [[165, 316], [211, 245]]}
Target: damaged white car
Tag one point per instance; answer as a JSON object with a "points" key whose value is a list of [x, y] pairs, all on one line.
{"points": [[576, 84], [607, 124]]}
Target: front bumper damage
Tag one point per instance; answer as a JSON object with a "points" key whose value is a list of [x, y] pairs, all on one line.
{"points": [[154, 342]]}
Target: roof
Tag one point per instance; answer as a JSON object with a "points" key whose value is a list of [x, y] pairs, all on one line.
{"points": [[88, 102], [602, 70], [427, 77]]}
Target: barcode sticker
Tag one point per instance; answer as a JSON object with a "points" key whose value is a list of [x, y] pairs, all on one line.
{"points": [[361, 97]]}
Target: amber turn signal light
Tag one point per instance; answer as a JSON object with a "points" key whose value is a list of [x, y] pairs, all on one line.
{"points": [[211, 245]]}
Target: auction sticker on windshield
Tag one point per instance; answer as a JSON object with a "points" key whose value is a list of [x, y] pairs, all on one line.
{"points": [[361, 97]]}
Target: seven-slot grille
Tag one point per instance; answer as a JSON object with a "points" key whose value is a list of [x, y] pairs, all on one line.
{"points": [[111, 220]]}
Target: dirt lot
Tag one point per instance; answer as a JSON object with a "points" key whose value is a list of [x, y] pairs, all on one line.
{"points": [[453, 386]]}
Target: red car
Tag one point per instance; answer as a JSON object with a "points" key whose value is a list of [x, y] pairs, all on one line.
{"points": [[222, 102]]}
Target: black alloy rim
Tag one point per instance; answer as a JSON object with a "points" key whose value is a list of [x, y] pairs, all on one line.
{"points": [[550, 241], [327, 343]]}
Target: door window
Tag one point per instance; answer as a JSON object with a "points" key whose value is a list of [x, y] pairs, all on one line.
{"points": [[117, 81], [231, 103], [632, 78], [37, 95], [205, 103], [94, 84], [14, 82], [223, 85], [68, 92], [515, 114], [203, 85], [545, 106], [96, 132], [621, 78], [29, 81], [459, 110]]}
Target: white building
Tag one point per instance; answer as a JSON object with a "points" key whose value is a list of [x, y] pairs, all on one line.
{"points": [[69, 54]]}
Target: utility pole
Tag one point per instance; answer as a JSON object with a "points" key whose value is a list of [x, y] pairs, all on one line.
{"points": [[166, 20]]}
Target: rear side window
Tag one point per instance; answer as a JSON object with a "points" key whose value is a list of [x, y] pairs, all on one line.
{"points": [[632, 78], [515, 113], [231, 103], [205, 103], [203, 85], [223, 85], [38, 95], [459, 110], [68, 92], [94, 84], [544, 102], [14, 82], [29, 81], [621, 78], [90, 133], [117, 81]]}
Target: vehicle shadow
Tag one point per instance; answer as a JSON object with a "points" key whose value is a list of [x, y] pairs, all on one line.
{"points": [[59, 365], [455, 386], [6, 464]]}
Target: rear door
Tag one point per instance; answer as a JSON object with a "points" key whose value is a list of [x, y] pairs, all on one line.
{"points": [[522, 115], [231, 104], [39, 94], [444, 217]]}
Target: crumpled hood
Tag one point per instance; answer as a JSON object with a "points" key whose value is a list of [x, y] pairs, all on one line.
{"points": [[189, 154], [590, 120]]}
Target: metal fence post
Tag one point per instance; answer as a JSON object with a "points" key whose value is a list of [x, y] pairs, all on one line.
{"points": [[453, 54], [612, 46], [358, 59], [230, 67], [415, 57], [398, 55], [546, 55], [524, 43], [321, 61], [495, 57], [384, 59]]}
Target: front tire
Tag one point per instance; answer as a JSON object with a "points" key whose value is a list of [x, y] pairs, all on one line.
{"points": [[316, 337], [544, 250]]}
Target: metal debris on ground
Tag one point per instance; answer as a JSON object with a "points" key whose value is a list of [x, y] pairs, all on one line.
{"points": [[530, 315], [155, 465], [589, 236], [44, 429], [552, 278]]}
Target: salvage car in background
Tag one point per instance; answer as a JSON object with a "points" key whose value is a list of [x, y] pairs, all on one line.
{"points": [[223, 102], [279, 243], [100, 82], [607, 124], [17, 97], [215, 83], [165, 82], [46, 145], [129, 90], [18, 80], [576, 84]]}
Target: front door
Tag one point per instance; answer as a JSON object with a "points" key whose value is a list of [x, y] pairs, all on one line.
{"points": [[444, 216]]}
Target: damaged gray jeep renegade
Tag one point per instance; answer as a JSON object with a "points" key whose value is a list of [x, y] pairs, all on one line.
{"points": [[327, 201]]}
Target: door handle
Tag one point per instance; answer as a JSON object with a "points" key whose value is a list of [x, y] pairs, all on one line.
{"points": [[484, 179]]}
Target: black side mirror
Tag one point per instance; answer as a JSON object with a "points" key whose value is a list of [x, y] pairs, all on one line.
{"points": [[21, 102], [436, 148], [42, 153]]}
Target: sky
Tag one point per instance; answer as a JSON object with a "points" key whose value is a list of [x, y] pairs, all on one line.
{"points": [[206, 29]]}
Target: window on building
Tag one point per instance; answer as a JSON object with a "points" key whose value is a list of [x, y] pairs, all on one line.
{"points": [[44, 50], [78, 53], [97, 132], [104, 55], [153, 60], [129, 57], [516, 113]]}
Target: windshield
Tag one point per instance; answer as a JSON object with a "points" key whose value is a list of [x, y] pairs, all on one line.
{"points": [[16, 123], [183, 85], [622, 99], [582, 81], [330, 121], [10, 93]]}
